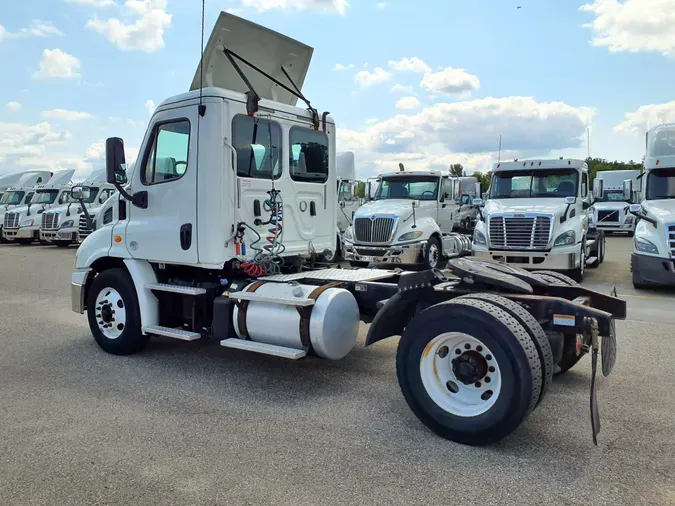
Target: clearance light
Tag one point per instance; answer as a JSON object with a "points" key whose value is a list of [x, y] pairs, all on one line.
{"points": [[657, 162], [539, 164], [569, 162]]}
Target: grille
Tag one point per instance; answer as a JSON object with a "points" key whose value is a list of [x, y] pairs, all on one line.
{"points": [[11, 220], [378, 230], [608, 216], [83, 230], [50, 221], [671, 238], [520, 232]]}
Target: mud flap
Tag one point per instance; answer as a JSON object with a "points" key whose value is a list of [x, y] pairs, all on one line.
{"points": [[595, 412], [608, 349]]}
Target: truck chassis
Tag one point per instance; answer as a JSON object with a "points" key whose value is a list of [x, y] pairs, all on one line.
{"points": [[480, 341]]}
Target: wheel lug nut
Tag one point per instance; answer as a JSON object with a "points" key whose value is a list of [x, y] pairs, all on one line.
{"points": [[487, 379], [491, 369], [477, 384], [467, 346], [479, 348], [488, 357], [458, 351]]}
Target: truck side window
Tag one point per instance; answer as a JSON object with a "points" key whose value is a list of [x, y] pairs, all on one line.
{"points": [[29, 197], [108, 216], [447, 189], [167, 158], [584, 185], [309, 155], [346, 192], [258, 152]]}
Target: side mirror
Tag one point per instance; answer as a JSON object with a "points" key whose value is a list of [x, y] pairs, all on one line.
{"points": [[598, 188], [356, 191], [457, 190], [442, 197], [368, 195], [342, 204], [478, 191], [80, 192], [570, 200], [635, 209], [115, 161], [628, 190]]}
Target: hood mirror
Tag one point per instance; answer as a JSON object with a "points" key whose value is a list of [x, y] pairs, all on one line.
{"points": [[598, 188], [628, 190], [570, 200]]}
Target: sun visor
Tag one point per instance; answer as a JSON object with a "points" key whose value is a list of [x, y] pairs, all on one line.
{"points": [[266, 49]]}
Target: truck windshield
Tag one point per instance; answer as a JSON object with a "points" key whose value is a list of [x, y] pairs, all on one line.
{"points": [[661, 184], [611, 196], [555, 183], [45, 196], [12, 198], [413, 188]]}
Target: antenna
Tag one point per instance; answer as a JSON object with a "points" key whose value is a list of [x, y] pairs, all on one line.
{"points": [[499, 156], [202, 109], [588, 141]]}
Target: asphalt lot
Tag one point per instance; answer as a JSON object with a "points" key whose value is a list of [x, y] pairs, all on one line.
{"points": [[184, 423]]}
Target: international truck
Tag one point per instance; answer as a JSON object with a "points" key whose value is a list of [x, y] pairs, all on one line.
{"points": [[409, 221], [207, 243], [23, 223], [611, 211], [60, 225], [20, 193], [537, 217], [653, 255]]}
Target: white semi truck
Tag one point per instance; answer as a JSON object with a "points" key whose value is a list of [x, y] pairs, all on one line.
{"points": [[60, 225], [21, 193], [179, 256], [409, 221], [611, 211], [653, 256], [23, 223], [537, 217], [467, 214]]}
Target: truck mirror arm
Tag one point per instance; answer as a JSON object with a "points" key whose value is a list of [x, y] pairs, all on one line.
{"points": [[646, 218], [138, 199], [87, 216]]}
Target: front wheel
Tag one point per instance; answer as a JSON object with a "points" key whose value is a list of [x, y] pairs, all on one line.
{"points": [[469, 371], [433, 254], [62, 244], [25, 241], [578, 273], [114, 314]]}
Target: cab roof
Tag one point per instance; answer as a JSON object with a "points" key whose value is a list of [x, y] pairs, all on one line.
{"points": [[437, 173], [560, 163]]}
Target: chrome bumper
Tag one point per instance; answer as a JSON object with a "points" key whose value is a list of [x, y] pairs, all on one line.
{"points": [[66, 234], [78, 283], [618, 227], [400, 254], [533, 260]]}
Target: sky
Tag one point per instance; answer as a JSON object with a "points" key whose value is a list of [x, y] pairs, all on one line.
{"points": [[424, 83]]}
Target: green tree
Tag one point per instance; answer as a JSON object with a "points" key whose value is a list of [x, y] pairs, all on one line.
{"points": [[484, 179], [457, 170], [362, 189], [596, 165]]}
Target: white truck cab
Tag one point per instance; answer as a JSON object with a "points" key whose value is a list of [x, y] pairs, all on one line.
{"points": [[611, 211], [537, 217], [654, 240], [467, 215], [409, 221], [21, 193], [23, 223], [60, 225]]}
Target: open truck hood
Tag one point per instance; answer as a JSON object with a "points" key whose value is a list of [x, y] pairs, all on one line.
{"points": [[58, 179], [266, 49]]}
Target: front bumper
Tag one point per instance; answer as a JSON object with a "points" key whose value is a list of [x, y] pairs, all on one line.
{"points": [[64, 234], [550, 260], [21, 233], [653, 270], [78, 283], [615, 227], [409, 254]]}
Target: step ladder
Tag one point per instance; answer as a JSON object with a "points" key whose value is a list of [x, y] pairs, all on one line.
{"points": [[266, 349], [183, 335]]}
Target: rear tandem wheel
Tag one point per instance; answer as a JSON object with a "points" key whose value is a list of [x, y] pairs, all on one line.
{"points": [[469, 370]]}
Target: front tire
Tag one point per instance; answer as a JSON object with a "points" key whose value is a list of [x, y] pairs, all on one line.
{"points": [[445, 348], [578, 273], [433, 254], [24, 241], [113, 313], [62, 244]]}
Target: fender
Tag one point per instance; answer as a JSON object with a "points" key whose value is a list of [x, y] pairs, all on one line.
{"points": [[141, 272], [393, 317]]}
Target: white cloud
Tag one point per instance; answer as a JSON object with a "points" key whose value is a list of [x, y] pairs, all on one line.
{"points": [[400, 88], [645, 117], [367, 79], [18, 141], [96, 151], [336, 6], [39, 29], [65, 115], [150, 107], [413, 64], [341, 67], [56, 64], [450, 81], [381, 5], [92, 3], [468, 132], [633, 25], [408, 103], [145, 33], [13, 106]]}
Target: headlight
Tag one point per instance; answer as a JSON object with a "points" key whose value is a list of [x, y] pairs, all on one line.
{"points": [[67, 224], [629, 219], [645, 245], [348, 233], [565, 239], [26, 223], [409, 236], [478, 237]]}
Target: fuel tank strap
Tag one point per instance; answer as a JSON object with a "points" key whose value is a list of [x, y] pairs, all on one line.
{"points": [[305, 312], [242, 305]]}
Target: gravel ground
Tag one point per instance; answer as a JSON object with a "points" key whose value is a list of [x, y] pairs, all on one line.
{"points": [[184, 423]]}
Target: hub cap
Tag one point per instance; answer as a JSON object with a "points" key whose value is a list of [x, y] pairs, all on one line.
{"points": [[433, 255], [111, 313], [460, 374]]}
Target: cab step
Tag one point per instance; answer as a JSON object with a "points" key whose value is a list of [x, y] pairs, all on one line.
{"points": [[266, 349], [183, 290], [591, 260], [183, 335], [288, 301]]}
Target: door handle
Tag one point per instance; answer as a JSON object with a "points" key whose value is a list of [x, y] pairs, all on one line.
{"points": [[443, 206], [312, 208], [186, 236], [256, 208]]}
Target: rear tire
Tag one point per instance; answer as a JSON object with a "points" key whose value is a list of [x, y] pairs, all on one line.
{"points": [[563, 278], [118, 333], [459, 409]]}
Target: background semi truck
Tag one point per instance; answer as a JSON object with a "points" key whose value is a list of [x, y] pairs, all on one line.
{"points": [[21, 193], [348, 200], [611, 211], [653, 256], [537, 217]]}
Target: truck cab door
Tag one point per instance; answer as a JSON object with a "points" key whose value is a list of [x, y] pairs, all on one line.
{"points": [[166, 172], [586, 201], [446, 205]]}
